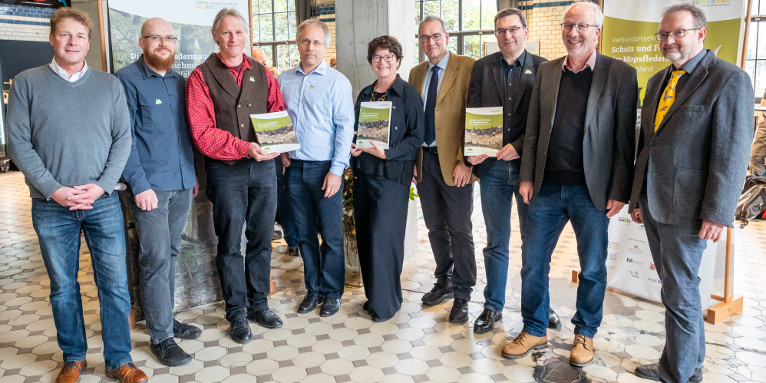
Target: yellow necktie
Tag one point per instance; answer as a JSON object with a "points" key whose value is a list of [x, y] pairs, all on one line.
{"points": [[668, 96]]}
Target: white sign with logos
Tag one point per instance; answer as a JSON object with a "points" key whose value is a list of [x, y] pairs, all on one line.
{"points": [[630, 266]]}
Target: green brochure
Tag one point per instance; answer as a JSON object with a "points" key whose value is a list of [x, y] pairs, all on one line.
{"points": [[483, 131], [374, 124], [275, 132]]}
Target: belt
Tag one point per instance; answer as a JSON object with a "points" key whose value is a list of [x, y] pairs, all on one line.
{"points": [[431, 149]]}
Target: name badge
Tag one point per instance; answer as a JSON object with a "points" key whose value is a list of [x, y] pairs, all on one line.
{"points": [[252, 79], [158, 101], [528, 71]]}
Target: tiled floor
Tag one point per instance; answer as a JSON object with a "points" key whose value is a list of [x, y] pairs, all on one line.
{"points": [[415, 346]]}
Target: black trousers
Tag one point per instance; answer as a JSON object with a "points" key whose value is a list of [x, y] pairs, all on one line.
{"points": [[447, 214], [243, 194], [380, 214]]}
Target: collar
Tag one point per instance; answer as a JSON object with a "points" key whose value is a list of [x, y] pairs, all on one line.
{"points": [[61, 72], [245, 63], [320, 70], [397, 86], [591, 63], [442, 64], [519, 61], [147, 72], [693, 63]]}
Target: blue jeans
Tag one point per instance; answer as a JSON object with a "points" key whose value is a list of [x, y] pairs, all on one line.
{"points": [[284, 209], [324, 266], [159, 239], [498, 186], [548, 213], [243, 194], [58, 230], [677, 254]]}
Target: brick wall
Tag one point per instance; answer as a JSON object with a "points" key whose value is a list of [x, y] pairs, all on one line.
{"points": [[325, 11], [544, 19], [24, 23]]}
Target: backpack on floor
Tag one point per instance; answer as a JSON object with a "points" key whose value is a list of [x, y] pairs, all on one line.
{"points": [[752, 201]]}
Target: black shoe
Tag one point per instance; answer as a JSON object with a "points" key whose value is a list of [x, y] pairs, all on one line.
{"points": [[486, 321], [277, 235], [437, 295], [169, 353], [265, 318], [294, 251], [366, 306], [459, 312], [309, 303], [185, 331], [239, 330], [553, 320], [652, 372], [330, 307]]}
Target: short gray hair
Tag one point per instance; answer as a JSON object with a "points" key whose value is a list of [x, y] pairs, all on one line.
{"points": [[316, 23], [510, 12], [226, 12], [699, 16], [599, 14], [432, 18]]}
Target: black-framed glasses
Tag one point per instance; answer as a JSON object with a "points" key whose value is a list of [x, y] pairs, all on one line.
{"points": [[677, 34], [436, 37], [316, 43], [503, 31], [580, 27], [158, 38], [388, 58]]}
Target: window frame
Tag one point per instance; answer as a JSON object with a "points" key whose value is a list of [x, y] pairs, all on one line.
{"points": [[459, 34], [274, 44]]}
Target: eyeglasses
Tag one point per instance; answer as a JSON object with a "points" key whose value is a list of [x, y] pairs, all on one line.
{"points": [[316, 43], [436, 37], [388, 58], [677, 34], [580, 27], [157, 38], [503, 31]]}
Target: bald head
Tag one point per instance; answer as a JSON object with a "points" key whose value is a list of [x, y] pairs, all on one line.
{"points": [[152, 25], [259, 55]]}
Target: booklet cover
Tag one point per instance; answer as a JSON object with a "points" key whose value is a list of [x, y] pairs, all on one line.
{"points": [[275, 132], [374, 124], [483, 131]]}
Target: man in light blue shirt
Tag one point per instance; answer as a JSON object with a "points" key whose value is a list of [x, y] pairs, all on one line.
{"points": [[318, 101]]}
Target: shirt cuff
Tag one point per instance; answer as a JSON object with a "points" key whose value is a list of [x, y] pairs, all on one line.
{"points": [[337, 169], [244, 149]]}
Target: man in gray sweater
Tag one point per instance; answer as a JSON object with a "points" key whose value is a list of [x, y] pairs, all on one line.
{"points": [[69, 133]]}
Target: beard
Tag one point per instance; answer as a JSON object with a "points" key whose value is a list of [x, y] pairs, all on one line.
{"points": [[159, 63]]}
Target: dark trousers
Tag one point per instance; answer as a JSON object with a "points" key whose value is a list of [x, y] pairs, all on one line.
{"points": [[284, 210], [380, 214], [243, 194], [677, 254], [324, 266], [159, 236], [447, 214]]}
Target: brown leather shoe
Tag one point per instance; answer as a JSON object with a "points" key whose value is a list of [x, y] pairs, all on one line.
{"points": [[127, 373], [582, 351], [71, 372], [523, 344]]}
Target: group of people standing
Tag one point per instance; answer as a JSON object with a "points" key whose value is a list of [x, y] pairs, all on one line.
{"points": [[568, 156]]}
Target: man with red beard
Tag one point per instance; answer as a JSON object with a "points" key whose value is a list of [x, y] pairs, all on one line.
{"points": [[160, 174]]}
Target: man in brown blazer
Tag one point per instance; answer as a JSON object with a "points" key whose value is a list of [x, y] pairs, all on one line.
{"points": [[444, 179]]}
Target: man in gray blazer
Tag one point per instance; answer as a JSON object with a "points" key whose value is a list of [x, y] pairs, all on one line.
{"points": [[696, 131], [577, 166]]}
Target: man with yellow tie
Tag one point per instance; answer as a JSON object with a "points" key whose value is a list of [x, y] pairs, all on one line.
{"points": [[697, 124]]}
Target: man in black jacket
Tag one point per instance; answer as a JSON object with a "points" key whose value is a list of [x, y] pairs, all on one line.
{"points": [[504, 78]]}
